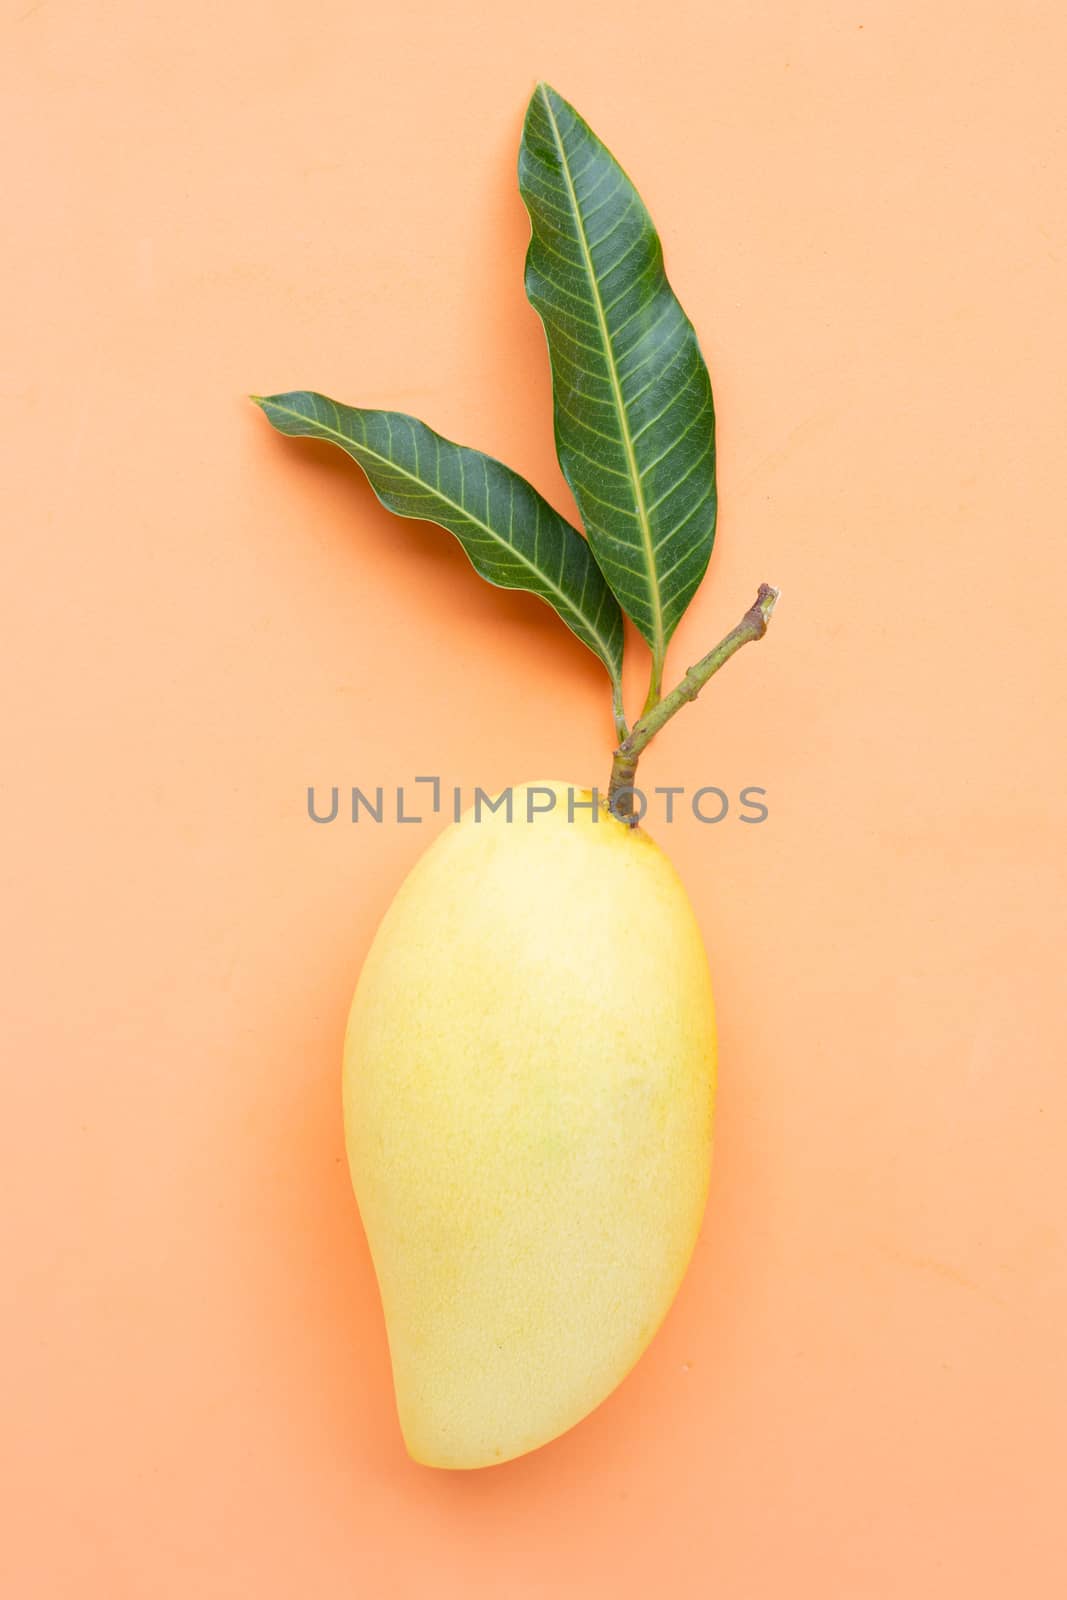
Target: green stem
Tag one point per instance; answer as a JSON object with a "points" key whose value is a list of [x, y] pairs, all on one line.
{"points": [[622, 732], [655, 683], [753, 625]]}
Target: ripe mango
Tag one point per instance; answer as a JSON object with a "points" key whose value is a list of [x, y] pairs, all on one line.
{"points": [[528, 1083]]}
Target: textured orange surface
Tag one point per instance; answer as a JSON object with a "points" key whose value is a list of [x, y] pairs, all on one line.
{"points": [[860, 1391]]}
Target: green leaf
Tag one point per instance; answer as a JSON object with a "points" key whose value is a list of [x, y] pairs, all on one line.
{"points": [[513, 537], [635, 422]]}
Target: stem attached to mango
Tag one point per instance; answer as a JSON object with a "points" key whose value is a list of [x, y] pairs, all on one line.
{"points": [[753, 625]]}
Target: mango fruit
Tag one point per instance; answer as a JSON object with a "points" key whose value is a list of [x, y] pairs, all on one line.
{"points": [[528, 1084]]}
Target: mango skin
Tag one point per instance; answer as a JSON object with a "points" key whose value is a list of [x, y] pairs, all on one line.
{"points": [[528, 1083]]}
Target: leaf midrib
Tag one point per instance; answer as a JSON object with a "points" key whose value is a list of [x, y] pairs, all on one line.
{"points": [[609, 354], [413, 477]]}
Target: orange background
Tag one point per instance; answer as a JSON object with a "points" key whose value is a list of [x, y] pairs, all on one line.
{"points": [[860, 1391]]}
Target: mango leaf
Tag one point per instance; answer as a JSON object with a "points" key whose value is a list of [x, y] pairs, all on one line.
{"points": [[635, 422], [513, 537]]}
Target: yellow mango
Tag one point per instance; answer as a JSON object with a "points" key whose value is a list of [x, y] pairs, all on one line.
{"points": [[528, 1083]]}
